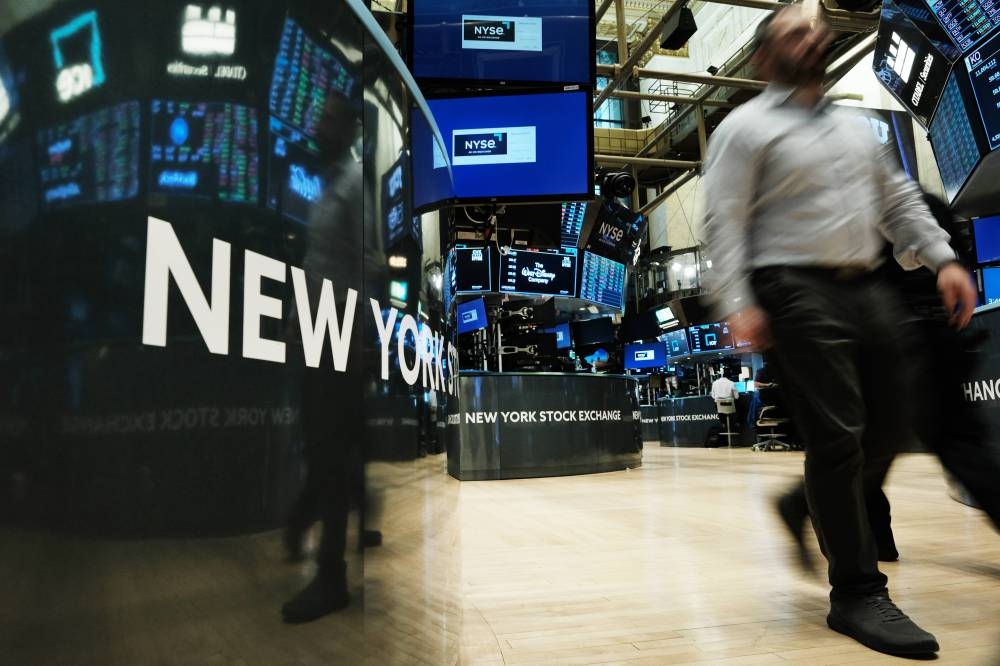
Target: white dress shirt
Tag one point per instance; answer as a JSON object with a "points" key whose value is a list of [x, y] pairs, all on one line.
{"points": [[724, 389], [786, 185]]}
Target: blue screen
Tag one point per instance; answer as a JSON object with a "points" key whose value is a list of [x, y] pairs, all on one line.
{"points": [[526, 145], [645, 355], [991, 285], [431, 184], [530, 40], [677, 342], [471, 316], [987, 233], [602, 281], [563, 340]]}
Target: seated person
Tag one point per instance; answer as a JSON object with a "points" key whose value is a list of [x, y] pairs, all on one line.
{"points": [[723, 388]]}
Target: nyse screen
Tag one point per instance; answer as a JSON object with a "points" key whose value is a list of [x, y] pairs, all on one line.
{"points": [[617, 232], [296, 178], [603, 281], [204, 149], [955, 148], [92, 159], [539, 272], [984, 74], [967, 22], [710, 337], [571, 223], [472, 269], [305, 75]]}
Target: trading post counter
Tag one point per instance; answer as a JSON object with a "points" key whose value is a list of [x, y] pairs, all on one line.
{"points": [[521, 425], [689, 421]]}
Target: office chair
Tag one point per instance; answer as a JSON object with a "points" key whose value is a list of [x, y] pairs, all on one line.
{"points": [[726, 407], [772, 439]]}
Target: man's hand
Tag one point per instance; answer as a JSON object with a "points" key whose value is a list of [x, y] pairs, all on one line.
{"points": [[750, 325], [957, 293]]}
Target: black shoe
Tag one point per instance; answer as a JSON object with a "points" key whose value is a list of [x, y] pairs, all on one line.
{"points": [[324, 595], [792, 515], [876, 622]]}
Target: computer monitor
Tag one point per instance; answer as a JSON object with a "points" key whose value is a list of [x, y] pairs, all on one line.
{"points": [[991, 284], [526, 146], [710, 337], [530, 41], [593, 332], [642, 355], [986, 232], [473, 269], [563, 338], [539, 272], [471, 316], [677, 342], [602, 281]]}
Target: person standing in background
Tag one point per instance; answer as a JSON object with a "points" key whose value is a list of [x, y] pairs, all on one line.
{"points": [[798, 200]]}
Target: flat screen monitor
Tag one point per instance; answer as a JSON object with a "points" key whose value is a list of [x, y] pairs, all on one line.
{"points": [[642, 355], [513, 147], [537, 41], [571, 220], [432, 186], [396, 223], [639, 326], [602, 280], [472, 269], [666, 317], [956, 149], [991, 285], [617, 233], [986, 232], [538, 272], [591, 332], [563, 338], [204, 149], [982, 67], [909, 64], [968, 23], [296, 178], [92, 159], [471, 316], [306, 74], [710, 337], [677, 342]]}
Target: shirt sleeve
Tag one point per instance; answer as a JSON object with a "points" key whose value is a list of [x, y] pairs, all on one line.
{"points": [[917, 239], [729, 185]]}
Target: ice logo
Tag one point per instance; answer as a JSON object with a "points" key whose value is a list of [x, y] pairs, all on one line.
{"points": [[75, 79], [213, 34]]}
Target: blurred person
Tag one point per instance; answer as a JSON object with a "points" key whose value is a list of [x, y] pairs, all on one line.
{"points": [[947, 424], [332, 405], [798, 200]]}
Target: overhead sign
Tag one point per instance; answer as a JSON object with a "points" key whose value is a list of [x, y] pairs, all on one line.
{"points": [[74, 76]]}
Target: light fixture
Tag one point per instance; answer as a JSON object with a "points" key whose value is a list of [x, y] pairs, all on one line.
{"points": [[676, 266], [708, 263], [397, 261], [690, 272]]}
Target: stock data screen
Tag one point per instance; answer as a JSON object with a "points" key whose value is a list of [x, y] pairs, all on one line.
{"points": [[955, 148], [984, 75], [543, 272], [967, 22], [473, 269], [305, 75], [571, 223], [603, 281], [710, 337], [92, 159], [204, 149]]}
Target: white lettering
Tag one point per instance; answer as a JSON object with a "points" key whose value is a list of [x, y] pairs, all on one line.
{"points": [[326, 325], [408, 325], [256, 306], [384, 333]]}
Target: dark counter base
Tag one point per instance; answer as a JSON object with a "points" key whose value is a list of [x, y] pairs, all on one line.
{"points": [[608, 439]]}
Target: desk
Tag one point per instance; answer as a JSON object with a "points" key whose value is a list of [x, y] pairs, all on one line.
{"points": [[520, 425], [687, 421]]}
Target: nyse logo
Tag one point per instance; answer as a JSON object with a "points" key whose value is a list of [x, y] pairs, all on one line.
{"points": [[469, 317], [646, 355], [900, 57], [469, 145], [479, 30], [612, 232]]}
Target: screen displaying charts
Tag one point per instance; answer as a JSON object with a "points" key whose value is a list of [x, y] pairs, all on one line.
{"points": [[967, 22], [543, 272], [984, 74], [472, 269], [571, 223], [710, 337], [305, 75], [955, 148], [603, 281], [530, 40], [92, 159], [296, 179], [204, 149]]}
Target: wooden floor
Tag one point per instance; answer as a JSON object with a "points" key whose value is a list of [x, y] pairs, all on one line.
{"points": [[683, 562], [679, 562]]}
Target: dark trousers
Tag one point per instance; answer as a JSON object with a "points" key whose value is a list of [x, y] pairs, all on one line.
{"points": [[838, 354]]}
